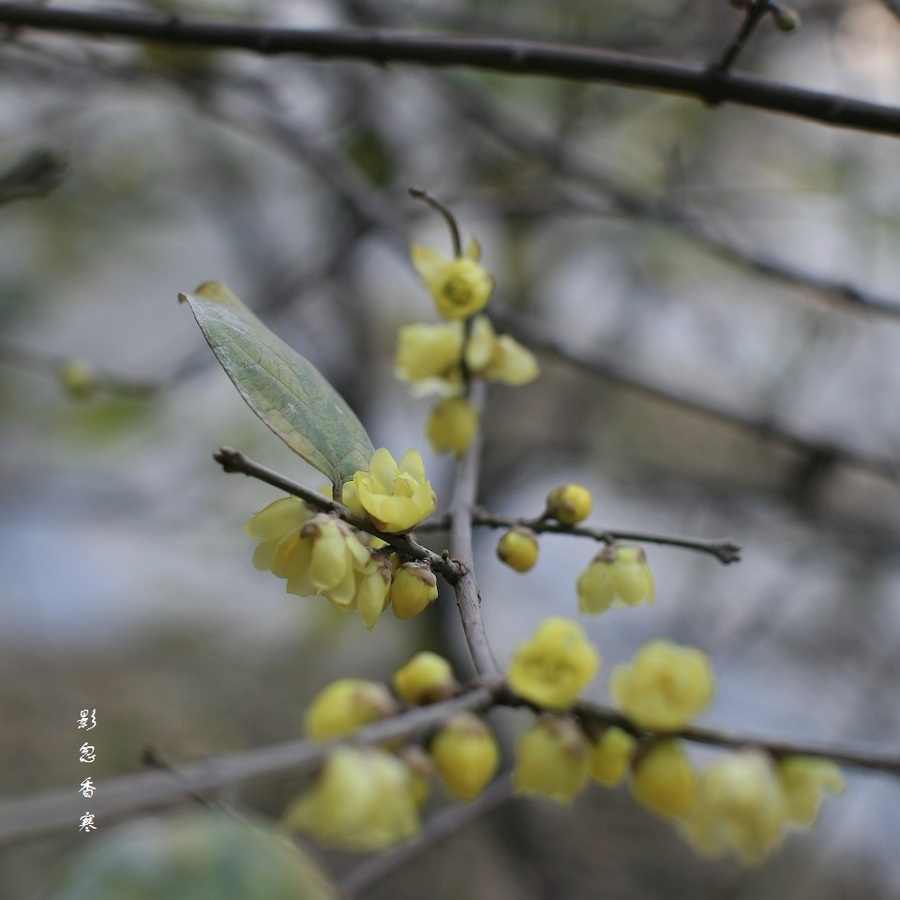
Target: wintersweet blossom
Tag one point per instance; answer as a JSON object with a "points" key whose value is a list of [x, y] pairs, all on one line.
{"points": [[428, 356], [518, 548], [346, 705], [739, 805], [611, 756], [466, 755], [362, 799], [460, 287], [569, 504], [663, 779], [618, 576], [426, 678], [664, 687], [413, 589], [452, 425], [498, 358], [395, 497], [804, 779], [552, 760], [554, 665]]}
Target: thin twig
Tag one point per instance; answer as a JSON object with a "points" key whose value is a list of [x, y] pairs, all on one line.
{"points": [[235, 461], [59, 810], [468, 597], [753, 15], [519, 57], [724, 551]]}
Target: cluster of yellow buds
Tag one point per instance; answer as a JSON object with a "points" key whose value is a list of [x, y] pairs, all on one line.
{"points": [[438, 358], [318, 553], [617, 576], [368, 798]]}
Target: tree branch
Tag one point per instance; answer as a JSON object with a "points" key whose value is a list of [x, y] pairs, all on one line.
{"points": [[235, 461], [492, 54]]}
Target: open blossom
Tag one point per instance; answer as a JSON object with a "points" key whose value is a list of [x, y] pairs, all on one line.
{"points": [[429, 357], [554, 665], [363, 799], [665, 686], [319, 554], [618, 576], [395, 497], [804, 779], [739, 806], [460, 287]]}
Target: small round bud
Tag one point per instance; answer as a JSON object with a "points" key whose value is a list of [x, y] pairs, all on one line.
{"points": [[466, 755], [663, 779], [611, 756], [347, 705], [78, 378], [518, 548], [414, 587], [426, 678], [552, 760], [568, 504], [452, 425], [786, 20]]}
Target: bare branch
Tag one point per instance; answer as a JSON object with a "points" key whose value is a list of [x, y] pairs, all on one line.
{"points": [[519, 57]]}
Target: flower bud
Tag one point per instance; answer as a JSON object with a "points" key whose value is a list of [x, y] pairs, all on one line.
{"points": [[552, 759], [426, 678], [665, 686], [414, 587], [78, 378], [452, 425], [618, 576], [518, 548], [786, 20], [554, 665], [611, 756], [568, 504], [347, 705], [663, 779], [466, 755]]}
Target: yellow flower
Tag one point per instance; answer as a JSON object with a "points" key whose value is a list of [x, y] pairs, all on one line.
{"points": [[739, 806], [429, 356], [396, 498], [79, 378], [272, 524], [413, 589], [552, 760], [552, 667], [663, 780], [618, 576], [611, 756], [568, 504], [452, 425], [460, 287], [347, 705], [518, 548], [803, 780], [426, 678], [664, 687], [466, 755], [373, 589], [501, 358], [363, 799]]}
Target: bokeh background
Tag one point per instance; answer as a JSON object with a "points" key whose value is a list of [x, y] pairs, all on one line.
{"points": [[666, 262]]}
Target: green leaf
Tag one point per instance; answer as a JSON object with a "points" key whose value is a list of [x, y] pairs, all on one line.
{"points": [[285, 390]]}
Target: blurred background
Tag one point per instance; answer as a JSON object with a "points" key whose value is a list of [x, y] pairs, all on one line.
{"points": [[671, 265]]}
